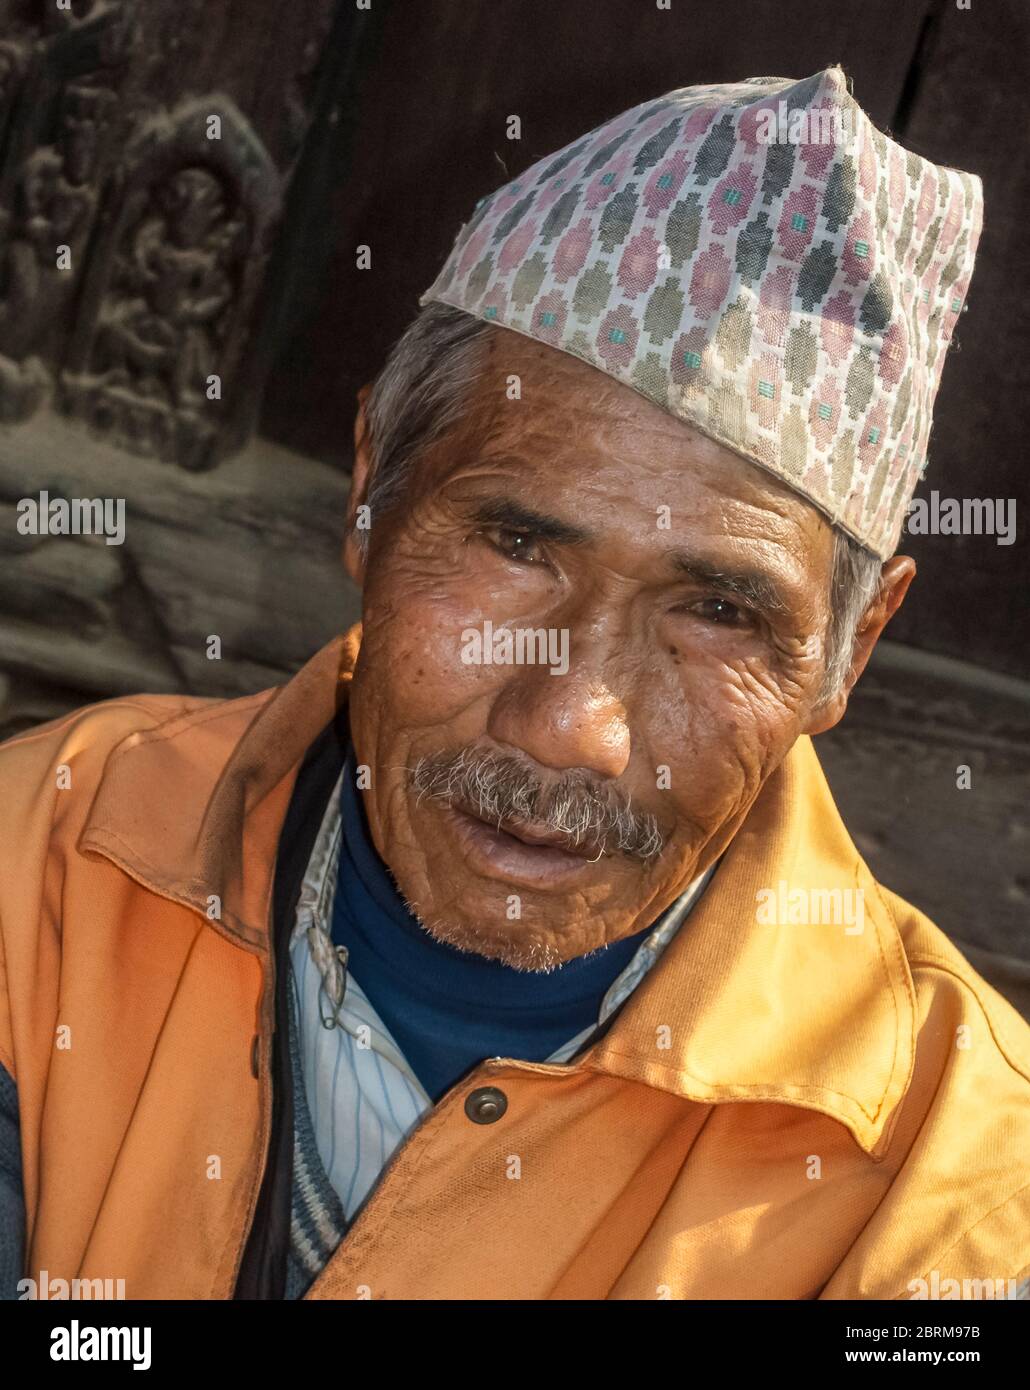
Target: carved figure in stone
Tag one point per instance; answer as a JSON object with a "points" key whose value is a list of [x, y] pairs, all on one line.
{"points": [[172, 285]]}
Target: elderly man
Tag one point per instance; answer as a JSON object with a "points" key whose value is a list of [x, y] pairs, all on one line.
{"points": [[515, 948]]}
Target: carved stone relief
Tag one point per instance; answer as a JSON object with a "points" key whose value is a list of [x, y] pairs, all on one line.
{"points": [[176, 263], [133, 240], [59, 88]]}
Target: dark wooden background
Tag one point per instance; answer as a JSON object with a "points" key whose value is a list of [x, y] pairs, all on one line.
{"points": [[382, 126]]}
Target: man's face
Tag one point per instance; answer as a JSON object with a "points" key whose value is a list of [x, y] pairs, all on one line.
{"points": [[691, 589]]}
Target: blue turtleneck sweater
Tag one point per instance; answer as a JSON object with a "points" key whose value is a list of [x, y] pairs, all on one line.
{"points": [[446, 1009]]}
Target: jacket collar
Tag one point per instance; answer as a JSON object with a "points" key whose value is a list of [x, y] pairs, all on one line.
{"points": [[802, 1012], [811, 1015]]}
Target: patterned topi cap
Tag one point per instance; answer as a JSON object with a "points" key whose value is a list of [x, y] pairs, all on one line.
{"points": [[760, 261]]}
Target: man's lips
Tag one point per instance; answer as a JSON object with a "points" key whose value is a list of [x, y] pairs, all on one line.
{"points": [[518, 853], [528, 835]]}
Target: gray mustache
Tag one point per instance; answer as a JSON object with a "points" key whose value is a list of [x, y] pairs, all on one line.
{"points": [[499, 788]]}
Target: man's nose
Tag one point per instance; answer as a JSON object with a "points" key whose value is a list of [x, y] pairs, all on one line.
{"points": [[563, 721]]}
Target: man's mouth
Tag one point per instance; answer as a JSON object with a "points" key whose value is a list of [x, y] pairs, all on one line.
{"points": [[514, 850], [536, 835]]}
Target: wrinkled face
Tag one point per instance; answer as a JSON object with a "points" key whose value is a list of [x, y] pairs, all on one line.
{"points": [[665, 604]]}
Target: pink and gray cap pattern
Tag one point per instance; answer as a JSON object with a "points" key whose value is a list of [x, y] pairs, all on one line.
{"points": [[793, 298]]}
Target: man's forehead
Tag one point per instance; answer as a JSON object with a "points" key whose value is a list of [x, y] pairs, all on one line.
{"points": [[558, 428], [651, 495], [562, 381], [665, 493]]}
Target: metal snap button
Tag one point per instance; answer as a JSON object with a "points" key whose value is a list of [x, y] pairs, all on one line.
{"points": [[485, 1104]]}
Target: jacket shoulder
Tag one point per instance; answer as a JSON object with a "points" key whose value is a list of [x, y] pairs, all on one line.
{"points": [[49, 777], [104, 721], [944, 977], [40, 764], [958, 1202]]}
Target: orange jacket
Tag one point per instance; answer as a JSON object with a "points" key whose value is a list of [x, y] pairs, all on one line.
{"points": [[778, 1111]]}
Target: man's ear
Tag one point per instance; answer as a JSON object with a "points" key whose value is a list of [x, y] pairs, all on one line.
{"points": [[895, 577], [353, 559]]}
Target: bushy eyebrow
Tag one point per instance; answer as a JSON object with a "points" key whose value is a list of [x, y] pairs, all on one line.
{"points": [[755, 588], [516, 516]]}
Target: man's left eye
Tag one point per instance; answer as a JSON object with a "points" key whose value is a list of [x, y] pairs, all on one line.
{"points": [[517, 545], [720, 610]]}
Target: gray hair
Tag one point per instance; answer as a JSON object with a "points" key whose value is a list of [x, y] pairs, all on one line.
{"points": [[421, 392]]}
